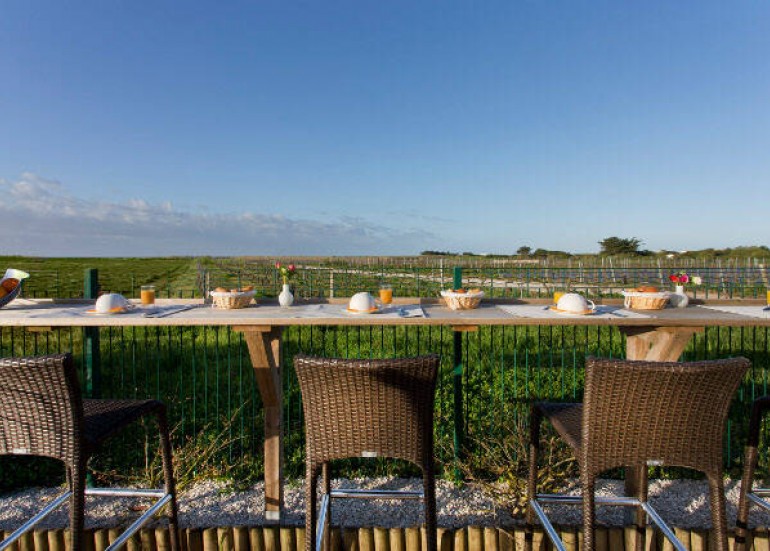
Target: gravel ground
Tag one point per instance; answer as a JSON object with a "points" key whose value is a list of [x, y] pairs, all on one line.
{"points": [[682, 503]]}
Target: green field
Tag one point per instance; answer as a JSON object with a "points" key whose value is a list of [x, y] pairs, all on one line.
{"points": [[418, 276]]}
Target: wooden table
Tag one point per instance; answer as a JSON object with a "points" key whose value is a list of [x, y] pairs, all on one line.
{"points": [[660, 337]]}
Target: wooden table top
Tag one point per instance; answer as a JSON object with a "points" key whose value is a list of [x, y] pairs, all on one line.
{"points": [[59, 313]]}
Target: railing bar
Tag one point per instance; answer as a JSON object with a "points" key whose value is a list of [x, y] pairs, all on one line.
{"points": [[320, 527], [141, 521], [759, 501], [547, 526], [376, 494], [655, 518], [125, 492], [27, 526]]}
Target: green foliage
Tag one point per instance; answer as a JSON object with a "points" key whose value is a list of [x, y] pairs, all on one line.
{"points": [[756, 251], [500, 465], [545, 253], [26, 471], [619, 245], [524, 250]]}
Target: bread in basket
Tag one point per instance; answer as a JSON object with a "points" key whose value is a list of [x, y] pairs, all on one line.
{"points": [[462, 299], [638, 299], [10, 285], [231, 300]]}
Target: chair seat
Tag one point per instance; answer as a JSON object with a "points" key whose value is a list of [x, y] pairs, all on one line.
{"points": [[103, 418], [567, 419]]}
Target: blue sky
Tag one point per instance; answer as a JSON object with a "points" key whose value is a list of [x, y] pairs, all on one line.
{"points": [[382, 127]]}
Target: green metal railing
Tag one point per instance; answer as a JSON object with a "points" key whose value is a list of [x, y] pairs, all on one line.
{"points": [[190, 280], [487, 379]]}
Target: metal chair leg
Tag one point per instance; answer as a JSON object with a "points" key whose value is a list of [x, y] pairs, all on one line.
{"points": [[77, 506], [718, 513], [429, 508], [327, 513], [534, 451], [311, 476], [170, 483]]}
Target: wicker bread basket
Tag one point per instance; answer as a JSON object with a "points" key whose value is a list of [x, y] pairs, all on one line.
{"points": [[462, 301], [10, 273], [635, 300], [231, 301]]}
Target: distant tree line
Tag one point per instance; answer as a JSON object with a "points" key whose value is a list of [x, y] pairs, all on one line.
{"points": [[620, 246]]}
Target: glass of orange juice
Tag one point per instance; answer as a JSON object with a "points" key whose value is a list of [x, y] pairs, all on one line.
{"points": [[386, 294], [148, 295], [557, 295]]}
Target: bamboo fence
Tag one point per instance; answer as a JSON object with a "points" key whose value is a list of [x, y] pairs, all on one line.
{"points": [[275, 538]]}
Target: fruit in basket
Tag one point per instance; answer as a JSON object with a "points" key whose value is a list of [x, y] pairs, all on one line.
{"points": [[3, 292], [248, 288], [475, 290], [220, 290], [646, 289], [9, 284], [460, 291]]}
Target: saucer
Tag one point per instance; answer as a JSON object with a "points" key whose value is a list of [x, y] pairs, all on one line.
{"points": [[111, 312], [583, 313], [374, 310]]}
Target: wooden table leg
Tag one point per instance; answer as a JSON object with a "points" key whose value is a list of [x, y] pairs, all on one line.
{"points": [[652, 344], [265, 350], [657, 344]]}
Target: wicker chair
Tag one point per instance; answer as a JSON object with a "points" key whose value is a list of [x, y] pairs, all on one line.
{"points": [[641, 414], [366, 408], [748, 495], [42, 413]]}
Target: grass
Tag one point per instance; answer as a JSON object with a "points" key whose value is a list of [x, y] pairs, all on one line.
{"points": [[204, 376]]}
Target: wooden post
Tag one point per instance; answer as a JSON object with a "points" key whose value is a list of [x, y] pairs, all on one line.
{"points": [[91, 338], [457, 384], [264, 344]]}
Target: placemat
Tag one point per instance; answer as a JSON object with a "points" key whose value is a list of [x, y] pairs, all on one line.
{"points": [[540, 311], [748, 311]]}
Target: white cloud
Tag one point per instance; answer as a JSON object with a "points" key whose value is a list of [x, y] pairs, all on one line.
{"points": [[40, 217]]}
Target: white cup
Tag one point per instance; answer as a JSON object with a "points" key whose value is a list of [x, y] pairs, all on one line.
{"points": [[362, 302], [107, 303], [574, 303]]}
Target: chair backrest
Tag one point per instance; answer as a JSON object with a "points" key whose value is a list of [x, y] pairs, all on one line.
{"points": [[41, 409], [667, 413], [368, 408]]}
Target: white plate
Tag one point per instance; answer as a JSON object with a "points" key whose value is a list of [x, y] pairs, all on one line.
{"points": [[363, 312], [123, 311], [570, 313]]}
